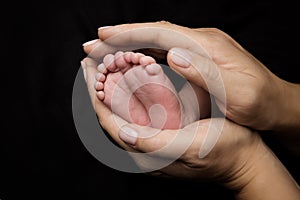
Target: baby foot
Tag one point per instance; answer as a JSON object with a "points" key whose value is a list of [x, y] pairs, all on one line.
{"points": [[158, 95], [114, 92], [137, 89]]}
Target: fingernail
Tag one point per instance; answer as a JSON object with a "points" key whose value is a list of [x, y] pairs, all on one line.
{"points": [[103, 27], [90, 42], [83, 66], [180, 57], [128, 135]]}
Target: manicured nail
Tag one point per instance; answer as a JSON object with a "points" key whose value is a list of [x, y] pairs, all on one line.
{"points": [[128, 135], [90, 42], [83, 66], [180, 57], [103, 27]]}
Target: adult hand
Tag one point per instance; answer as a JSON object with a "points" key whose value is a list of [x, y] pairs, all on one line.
{"points": [[253, 96], [239, 159]]}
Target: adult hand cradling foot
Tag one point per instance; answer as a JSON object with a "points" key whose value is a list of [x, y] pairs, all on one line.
{"points": [[255, 97]]}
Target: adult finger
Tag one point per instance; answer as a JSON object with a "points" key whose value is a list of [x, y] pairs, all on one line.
{"points": [[160, 35], [198, 69], [199, 137], [211, 42], [97, 49]]}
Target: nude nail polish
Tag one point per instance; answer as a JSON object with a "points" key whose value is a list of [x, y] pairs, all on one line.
{"points": [[83, 66], [90, 42], [180, 57], [128, 135], [103, 27]]}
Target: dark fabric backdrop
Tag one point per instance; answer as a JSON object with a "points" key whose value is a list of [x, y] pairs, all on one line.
{"points": [[42, 156]]}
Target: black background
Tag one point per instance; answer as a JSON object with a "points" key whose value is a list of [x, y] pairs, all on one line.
{"points": [[42, 156]]}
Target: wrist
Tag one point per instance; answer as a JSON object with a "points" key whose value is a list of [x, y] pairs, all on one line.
{"points": [[288, 109], [245, 168], [263, 177]]}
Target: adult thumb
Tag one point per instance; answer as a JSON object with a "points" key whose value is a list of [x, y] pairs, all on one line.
{"points": [[197, 68]]}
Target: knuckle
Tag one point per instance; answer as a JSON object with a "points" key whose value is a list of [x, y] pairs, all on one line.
{"points": [[164, 22], [148, 144], [217, 36]]}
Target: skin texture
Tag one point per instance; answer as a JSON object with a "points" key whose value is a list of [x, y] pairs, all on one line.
{"points": [[255, 97], [151, 97], [239, 160]]}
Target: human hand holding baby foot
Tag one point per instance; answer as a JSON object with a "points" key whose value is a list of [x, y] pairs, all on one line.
{"points": [[236, 156], [238, 159]]}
